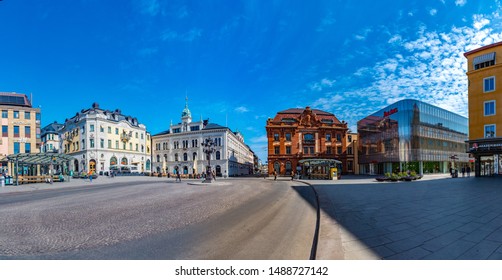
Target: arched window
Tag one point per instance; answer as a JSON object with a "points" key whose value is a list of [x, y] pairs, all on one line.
{"points": [[176, 157], [185, 157], [147, 164], [288, 167], [194, 156], [158, 158], [165, 157], [185, 170], [277, 167], [218, 155], [308, 137], [124, 161], [113, 161]]}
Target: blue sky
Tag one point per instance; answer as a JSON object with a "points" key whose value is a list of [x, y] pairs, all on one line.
{"points": [[240, 62]]}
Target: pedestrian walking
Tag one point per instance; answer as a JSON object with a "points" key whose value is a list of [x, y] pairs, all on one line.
{"points": [[292, 175], [214, 175], [463, 171], [178, 176], [275, 175], [90, 176], [468, 171]]}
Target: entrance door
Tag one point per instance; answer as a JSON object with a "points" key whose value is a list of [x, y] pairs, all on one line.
{"points": [[92, 166]]}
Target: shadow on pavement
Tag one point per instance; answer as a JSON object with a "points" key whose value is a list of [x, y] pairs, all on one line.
{"points": [[440, 218]]}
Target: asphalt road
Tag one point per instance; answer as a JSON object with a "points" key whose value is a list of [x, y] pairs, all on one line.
{"points": [[236, 219]]}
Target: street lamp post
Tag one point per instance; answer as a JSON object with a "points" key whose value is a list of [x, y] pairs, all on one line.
{"points": [[208, 149]]}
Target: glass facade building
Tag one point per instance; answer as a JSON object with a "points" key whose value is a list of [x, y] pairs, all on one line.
{"points": [[412, 135]]}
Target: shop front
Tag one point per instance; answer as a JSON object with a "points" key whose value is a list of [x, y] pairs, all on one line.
{"points": [[320, 169], [488, 156]]}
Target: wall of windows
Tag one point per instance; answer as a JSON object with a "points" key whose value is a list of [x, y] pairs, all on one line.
{"points": [[412, 131]]}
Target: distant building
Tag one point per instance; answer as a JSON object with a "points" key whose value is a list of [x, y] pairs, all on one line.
{"points": [[51, 143], [412, 135], [103, 140], [484, 71], [351, 153], [180, 149], [296, 135], [20, 128]]}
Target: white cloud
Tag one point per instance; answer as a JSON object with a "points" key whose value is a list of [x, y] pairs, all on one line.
{"points": [[433, 12], [429, 67], [326, 22], [460, 2], [150, 7], [480, 21], [323, 84], [191, 35], [241, 109]]}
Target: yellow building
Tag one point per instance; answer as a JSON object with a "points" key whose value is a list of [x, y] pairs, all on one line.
{"points": [[20, 128], [484, 72]]}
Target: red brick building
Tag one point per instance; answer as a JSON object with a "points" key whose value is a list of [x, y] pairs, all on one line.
{"points": [[297, 134]]}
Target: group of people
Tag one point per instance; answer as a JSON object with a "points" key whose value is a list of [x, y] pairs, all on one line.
{"points": [[454, 172], [198, 176]]}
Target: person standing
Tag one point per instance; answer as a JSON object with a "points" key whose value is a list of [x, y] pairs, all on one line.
{"points": [[90, 176], [275, 175], [463, 171], [178, 176], [468, 171]]}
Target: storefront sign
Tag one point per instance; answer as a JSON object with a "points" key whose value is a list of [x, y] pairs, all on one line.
{"points": [[486, 147], [390, 112]]}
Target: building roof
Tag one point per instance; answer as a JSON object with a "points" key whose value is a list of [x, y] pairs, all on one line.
{"points": [[53, 127], [115, 115], [483, 48], [15, 99], [213, 126], [294, 114]]}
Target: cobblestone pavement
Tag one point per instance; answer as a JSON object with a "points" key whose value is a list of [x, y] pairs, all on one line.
{"points": [[434, 218], [43, 220]]}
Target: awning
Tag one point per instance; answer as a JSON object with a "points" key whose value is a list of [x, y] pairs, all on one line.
{"points": [[40, 158], [483, 58]]}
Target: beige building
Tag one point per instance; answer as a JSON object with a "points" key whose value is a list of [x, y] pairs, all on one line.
{"points": [[103, 140], [351, 152], [20, 128]]}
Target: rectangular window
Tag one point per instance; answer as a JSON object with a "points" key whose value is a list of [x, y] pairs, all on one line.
{"points": [[136, 135], [339, 150], [276, 136], [349, 138], [27, 115], [16, 148], [141, 135], [91, 128], [27, 131], [349, 150], [109, 130], [328, 150], [16, 131], [328, 137], [5, 131], [116, 144], [489, 84], [339, 138], [288, 150], [16, 114], [102, 143], [4, 114], [288, 136], [276, 150], [489, 108], [50, 147], [305, 150], [116, 131], [101, 129], [130, 146], [311, 150], [83, 144], [350, 165], [124, 146], [490, 131], [109, 144], [27, 147], [137, 147]]}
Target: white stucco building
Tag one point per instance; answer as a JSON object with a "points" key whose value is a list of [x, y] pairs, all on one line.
{"points": [[103, 140], [179, 148]]}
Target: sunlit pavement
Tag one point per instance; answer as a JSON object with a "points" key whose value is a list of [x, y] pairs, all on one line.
{"points": [[437, 217]]}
